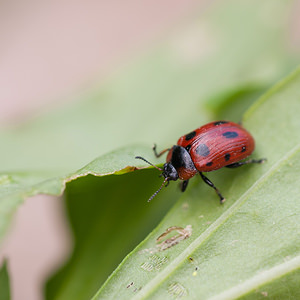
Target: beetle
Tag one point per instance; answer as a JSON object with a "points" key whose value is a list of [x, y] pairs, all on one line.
{"points": [[210, 147]]}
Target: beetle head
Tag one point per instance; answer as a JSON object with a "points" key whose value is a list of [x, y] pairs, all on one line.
{"points": [[168, 172]]}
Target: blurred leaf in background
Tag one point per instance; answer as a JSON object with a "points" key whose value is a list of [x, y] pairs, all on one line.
{"points": [[4, 283], [213, 66]]}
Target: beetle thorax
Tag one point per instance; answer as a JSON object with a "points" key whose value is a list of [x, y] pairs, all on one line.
{"points": [[179, 161]]}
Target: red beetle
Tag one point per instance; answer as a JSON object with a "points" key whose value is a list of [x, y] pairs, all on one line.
{"points": [[210, 147]]}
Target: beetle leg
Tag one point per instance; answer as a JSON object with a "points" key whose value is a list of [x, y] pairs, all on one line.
{"points": [[246, 162], [160, 153], [183, 185], [207, 181]]}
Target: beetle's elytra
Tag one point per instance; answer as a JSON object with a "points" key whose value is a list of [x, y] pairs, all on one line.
{"points": [[210, 147]]}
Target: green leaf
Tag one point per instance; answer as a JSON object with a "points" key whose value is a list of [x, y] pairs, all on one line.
{"points": [[279, 288], [157, 98], [4, 283], [249, 242], [109, 216], [161, 97], [168, 84]]}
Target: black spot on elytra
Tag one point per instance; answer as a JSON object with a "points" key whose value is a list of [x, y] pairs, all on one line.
{"points": [[202, 150], [190, 135], [227, 156], [243, 149], [220, 122], [209, 164], [230, 134]]}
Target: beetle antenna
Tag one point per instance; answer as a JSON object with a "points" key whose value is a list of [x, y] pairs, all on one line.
{"points": [[158, 190], [145, 160]]}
